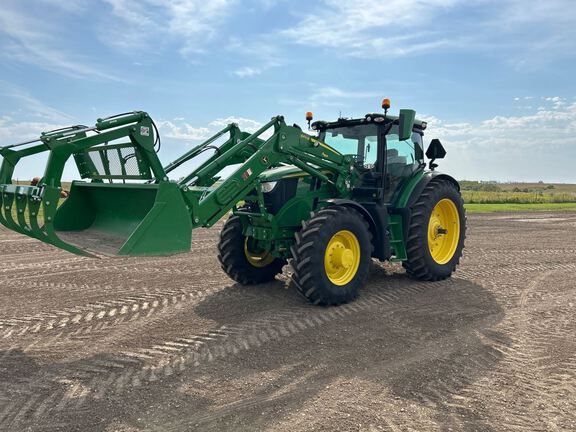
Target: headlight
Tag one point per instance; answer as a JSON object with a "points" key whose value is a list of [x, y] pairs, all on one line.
{"points": [[267, 187]]}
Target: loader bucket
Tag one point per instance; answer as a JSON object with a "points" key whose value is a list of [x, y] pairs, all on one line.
{"points": [[125, 219], [125, 204]]}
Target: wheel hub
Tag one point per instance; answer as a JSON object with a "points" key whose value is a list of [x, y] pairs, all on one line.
{"points": [[257, 259], [342, 257]]}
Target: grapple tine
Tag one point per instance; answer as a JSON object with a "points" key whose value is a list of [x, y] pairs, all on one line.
{"points": [[33, 214], [2, 219], [8, 195], [21, 204]]}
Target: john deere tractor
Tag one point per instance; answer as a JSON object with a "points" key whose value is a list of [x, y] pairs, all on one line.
{"points": [[329, 199]]}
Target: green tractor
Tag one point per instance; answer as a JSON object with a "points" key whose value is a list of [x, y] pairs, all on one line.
{"points": [[329, 201]]}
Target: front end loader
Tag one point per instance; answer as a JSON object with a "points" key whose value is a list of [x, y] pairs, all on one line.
{"points": [[329, 201]]}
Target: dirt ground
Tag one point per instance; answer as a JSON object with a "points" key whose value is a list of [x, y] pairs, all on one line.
{"points": [[171, 344]]}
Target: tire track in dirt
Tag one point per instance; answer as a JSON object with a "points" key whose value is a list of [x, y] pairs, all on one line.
{"points": [[483, 272], [432, 397], [180, 353], [126, 305], [132, 368], [77, 265], [518, 368], [517, 376]]}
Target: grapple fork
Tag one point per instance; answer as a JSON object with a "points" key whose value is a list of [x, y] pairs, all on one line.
{"points": [[121, 217]]}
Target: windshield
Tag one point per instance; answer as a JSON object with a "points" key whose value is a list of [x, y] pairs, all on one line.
{"points": [[359, 141]]}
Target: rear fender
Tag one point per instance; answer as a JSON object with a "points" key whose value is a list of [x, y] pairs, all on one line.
{"points": [[412, 192]]}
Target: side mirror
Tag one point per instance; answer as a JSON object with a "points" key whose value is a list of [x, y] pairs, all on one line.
{"points": [[406, 123], [435, 151]]}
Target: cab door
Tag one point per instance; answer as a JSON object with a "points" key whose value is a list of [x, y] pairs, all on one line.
{"points": [[403, 159]]}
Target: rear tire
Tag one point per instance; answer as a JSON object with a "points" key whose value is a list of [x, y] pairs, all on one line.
{"points": [[432, 253], [237, 260], [332, 256]]}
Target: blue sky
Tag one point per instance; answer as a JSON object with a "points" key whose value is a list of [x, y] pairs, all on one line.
{"points": [[495, 79]]}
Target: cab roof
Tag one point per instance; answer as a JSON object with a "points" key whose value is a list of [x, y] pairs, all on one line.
{"points": [[367, 119]]}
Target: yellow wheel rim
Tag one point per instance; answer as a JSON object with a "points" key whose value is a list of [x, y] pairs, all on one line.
{"points": [[257, 259], [443, 231], [342, 257]]}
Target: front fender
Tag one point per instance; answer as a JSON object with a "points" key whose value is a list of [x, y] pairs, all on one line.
{"points": [[377, 218]]}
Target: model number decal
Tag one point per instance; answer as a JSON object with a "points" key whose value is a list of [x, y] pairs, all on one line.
{"points": [[246, 174]]}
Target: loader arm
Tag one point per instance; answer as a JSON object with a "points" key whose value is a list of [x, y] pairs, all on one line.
{"points": [[287, 145], [125, 203]]}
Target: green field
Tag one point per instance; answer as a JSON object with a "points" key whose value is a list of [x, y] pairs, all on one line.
{"points": [[510, 207], [493, 196]]}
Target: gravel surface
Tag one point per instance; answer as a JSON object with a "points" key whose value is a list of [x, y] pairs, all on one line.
{"points": [[171, 344]]}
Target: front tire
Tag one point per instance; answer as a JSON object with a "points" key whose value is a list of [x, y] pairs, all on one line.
{"points": [[332, 256], [239, 260], [436, 233]]}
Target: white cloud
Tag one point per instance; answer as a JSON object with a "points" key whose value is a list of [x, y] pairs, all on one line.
{"points": [[33, 41], [12, 131], [539, 31], [328, 96], [262, 52], [32, 106], [549, 127], [244, 124], [247, 72], [538, 146], [356, 27], [181, 130], [327, 93], [191, 23], [72, 6], [525, 33]]}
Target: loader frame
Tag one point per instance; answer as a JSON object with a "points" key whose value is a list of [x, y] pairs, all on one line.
{"points": [[173, 209]]}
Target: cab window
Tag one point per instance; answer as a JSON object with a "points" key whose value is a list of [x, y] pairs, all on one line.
{"points": [[402, 159], [360, 141]]}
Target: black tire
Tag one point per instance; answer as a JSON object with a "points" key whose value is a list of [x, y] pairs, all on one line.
{"points": [[234, 261], [310, 277], [420, 264]]}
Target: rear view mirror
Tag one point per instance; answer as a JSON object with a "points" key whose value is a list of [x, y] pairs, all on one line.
{"points": [[406, 123], [435, 150]]}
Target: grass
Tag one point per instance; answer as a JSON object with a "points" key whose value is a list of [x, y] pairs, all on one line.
{"points": [[501, 197], [483, 197], [514, 207]]}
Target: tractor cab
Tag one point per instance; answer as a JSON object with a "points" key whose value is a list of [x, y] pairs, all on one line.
{"points": [[385, 156]]}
